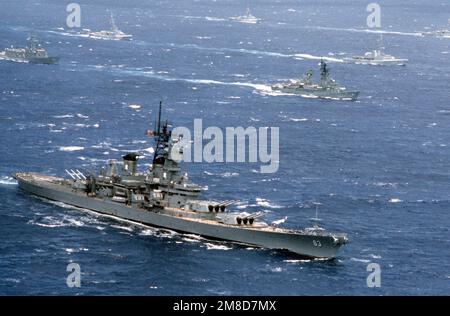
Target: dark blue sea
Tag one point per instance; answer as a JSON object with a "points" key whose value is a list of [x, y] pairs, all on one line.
{"points": [[379, 166]]}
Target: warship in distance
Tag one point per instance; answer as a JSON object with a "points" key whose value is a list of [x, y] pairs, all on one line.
{"points": [[248, 18], [376, 57], [32, 53], [113, 34], [327, 88], [444, 33], [164, 197]]}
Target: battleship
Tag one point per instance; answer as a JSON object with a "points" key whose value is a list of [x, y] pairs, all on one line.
{"points": [[163, 196], [376, 57], [113, 34], [248, 18], [327, 88], [33, 53]]}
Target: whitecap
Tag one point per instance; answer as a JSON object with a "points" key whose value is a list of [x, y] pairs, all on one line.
{"points": [[266, 203], [217, 247], [229, 174], [395, 200], [297, 260], [309, 56], [190, 239], [360, 260], [71, 148], [127, 228], [276, 269], [298, 119], [63, 116], [8, 180]]}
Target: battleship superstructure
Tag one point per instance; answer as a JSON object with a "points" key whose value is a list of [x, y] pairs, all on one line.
{"points": [[247, 18], [113, 34], [326, 88], [32, 53], [164, 197]]}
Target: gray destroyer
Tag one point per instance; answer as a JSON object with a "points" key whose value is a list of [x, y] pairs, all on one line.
{"points": [[163, 197], [32, 53], [113, 34], [326, 88], [376, 57]]}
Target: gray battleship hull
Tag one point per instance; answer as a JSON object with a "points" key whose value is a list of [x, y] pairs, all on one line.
{"points": [[320, 93], [305, 245], [40, 60], [46, 60]]}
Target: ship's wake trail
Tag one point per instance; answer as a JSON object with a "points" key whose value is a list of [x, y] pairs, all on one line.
{"points": [[70, 34], [138, 72], [353, 30], [257, 52]]}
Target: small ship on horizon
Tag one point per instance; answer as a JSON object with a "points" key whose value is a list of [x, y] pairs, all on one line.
{"points": [[33, 53], [113, 34], [444, 33], [377, 57], [248, 18], [163, 197], [326, 88]]}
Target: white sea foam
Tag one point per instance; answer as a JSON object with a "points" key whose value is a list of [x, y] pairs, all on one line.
{"points": [[395, 200], [150, 150], [134, 106], [229, 174], [64, 116], [297, 260], [127, 228], [72, 250], [266, 203], [12, 280], [313, 57], [71, 148], [298, 119], [210, 246], [7, 180], [212, 18], [190, 239], [417, 34], [360, 260]]}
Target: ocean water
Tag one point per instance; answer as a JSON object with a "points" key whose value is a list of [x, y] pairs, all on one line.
{"points": [[379, 166]]}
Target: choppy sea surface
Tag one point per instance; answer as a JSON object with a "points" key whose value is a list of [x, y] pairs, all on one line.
{"points": [[379, 166]]}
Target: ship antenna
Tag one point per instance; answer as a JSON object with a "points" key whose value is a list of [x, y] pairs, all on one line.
{"points": [[381, 42], [316, 219], [159, 117], [317, 211]]}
